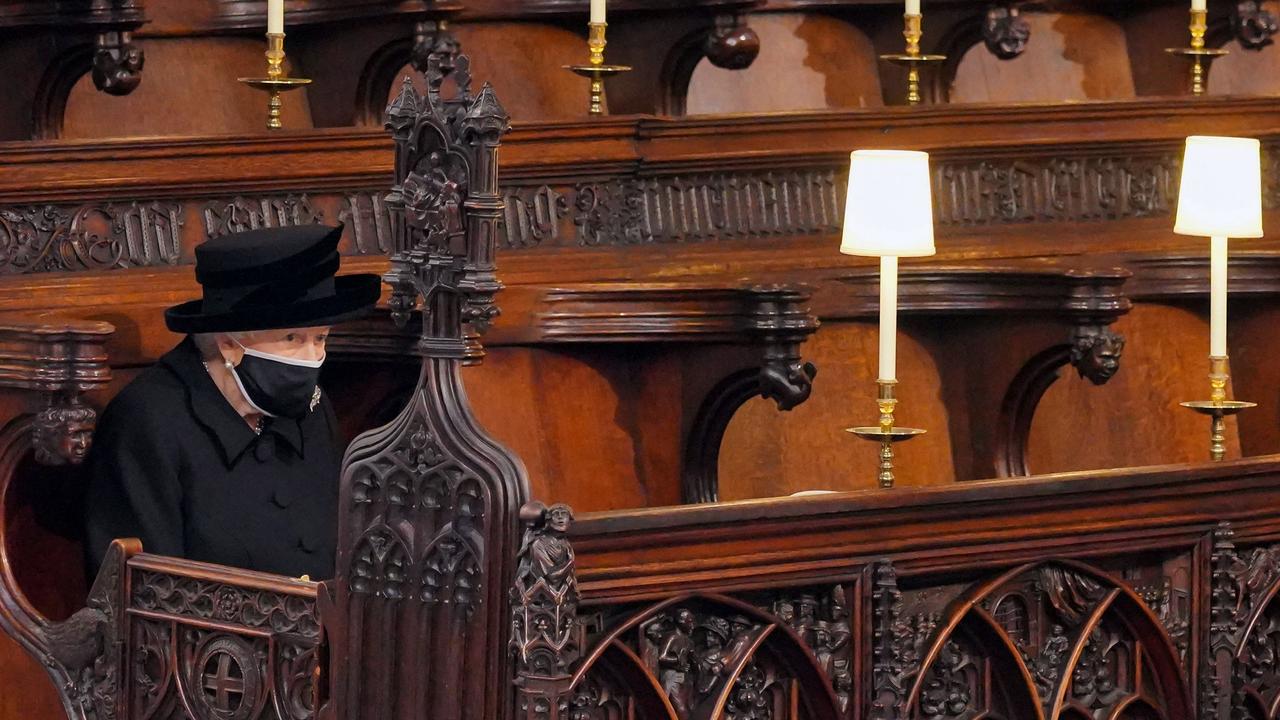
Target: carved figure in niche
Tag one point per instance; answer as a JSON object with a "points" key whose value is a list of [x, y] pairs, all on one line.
{"points": [[675, 661], [654, 633], [711, 660], [1095, 353], [1046, 667], [63, 434], [740, 632], [547, 554]]}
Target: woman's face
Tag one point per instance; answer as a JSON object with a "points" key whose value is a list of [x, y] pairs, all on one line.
{"points": [[296, 343]]}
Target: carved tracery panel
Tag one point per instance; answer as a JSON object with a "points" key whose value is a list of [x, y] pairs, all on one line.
{"points": [[1053, 640]]}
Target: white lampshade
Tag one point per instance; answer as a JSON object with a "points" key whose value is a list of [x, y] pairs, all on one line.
{"points": [[1221, 192], [889, 210]]}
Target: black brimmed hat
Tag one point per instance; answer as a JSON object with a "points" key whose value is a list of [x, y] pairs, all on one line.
{"points": [[273, 278]]}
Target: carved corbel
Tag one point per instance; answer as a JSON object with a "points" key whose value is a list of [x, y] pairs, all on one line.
{"points": [[62, 432], [117, 62], [433, 39], [1005, 32], [1252, 25], [1094, 350], [545, 634], [732, 44], [779, 321]]}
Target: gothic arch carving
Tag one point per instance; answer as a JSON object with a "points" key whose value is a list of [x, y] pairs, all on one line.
{"points": [[1103, 650], [704, 656]]}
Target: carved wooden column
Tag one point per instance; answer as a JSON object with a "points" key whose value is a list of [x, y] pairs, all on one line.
{"points": [[428, 527]]}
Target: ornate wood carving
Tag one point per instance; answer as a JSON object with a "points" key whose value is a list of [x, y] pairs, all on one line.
{"points": [[545, 635], [58, 362], [778, 321], [732, 44], [428, 531], [89, 647], [1005, 31], [1254, 26], [894, 645], [1094, 351], [220, 645], [117, 63], [718, 656], [545, 209]]}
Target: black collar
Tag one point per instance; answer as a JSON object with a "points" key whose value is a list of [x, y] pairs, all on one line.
{"points": [[211, 409]]}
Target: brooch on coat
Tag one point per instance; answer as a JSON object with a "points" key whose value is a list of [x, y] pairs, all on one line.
{"points": [[315, 399]]}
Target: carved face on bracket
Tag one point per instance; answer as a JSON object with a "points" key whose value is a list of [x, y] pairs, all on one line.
{"points": [[64, 434], [559, 518], [1096, 354]]}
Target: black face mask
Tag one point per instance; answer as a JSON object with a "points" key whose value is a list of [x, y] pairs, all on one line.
{"points": [[278, 386]]}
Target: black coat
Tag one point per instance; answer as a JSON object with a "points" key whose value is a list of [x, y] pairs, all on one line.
{"points": [[175, 465]]}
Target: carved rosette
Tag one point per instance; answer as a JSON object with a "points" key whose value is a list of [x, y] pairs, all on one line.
{"points": [[428, 530]]}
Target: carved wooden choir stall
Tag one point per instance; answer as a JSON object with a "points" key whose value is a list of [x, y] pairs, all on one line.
{"points": [[535, 518]]}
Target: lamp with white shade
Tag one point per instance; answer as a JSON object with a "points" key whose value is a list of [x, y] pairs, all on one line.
{"points": [[1220, 197], [888, 214]]}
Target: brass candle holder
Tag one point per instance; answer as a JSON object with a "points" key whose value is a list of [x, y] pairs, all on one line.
{"points": [[912, 60], [1198, 54], [1218, 407], [275, 82], [886, 433], [596, 70]]}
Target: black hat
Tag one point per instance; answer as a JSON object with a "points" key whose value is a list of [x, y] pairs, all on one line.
{"points": [[273, 278]]}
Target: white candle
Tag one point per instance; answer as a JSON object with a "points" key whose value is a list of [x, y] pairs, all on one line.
{"points": [[888, 316], [1218, 298], [1198, 4], [913, 7], [597, 11], [275, 17]]}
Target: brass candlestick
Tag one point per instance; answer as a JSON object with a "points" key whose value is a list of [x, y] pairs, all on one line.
{"points": [[1218, 407], [275, 82], [912, 59], [597, 70], [1198, 54], [886, 433]]}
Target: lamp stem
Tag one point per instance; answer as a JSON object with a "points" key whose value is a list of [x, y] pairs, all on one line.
{"points": [[888, 402]]}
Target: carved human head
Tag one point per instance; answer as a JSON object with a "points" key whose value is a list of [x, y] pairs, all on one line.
{"points": [[559, 518], [63, 434], [685, 620], [1096, 354]]}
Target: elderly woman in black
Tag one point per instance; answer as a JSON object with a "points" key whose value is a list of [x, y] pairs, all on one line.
{"points": [[226, 450]]}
